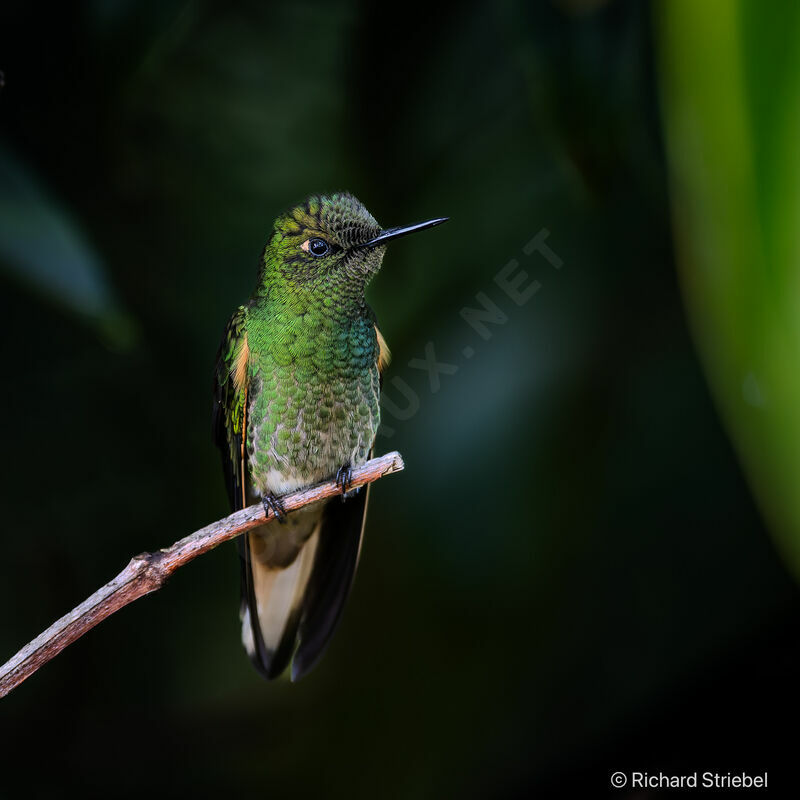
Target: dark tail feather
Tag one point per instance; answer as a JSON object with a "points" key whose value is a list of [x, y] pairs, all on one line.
{"points": [[332, 576]]}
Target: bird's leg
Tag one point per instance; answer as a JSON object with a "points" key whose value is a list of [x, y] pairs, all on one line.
{"points": [[274, 505], [344, 477]]}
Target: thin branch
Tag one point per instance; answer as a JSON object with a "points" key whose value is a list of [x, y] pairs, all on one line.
{"points": [[149, 571]]}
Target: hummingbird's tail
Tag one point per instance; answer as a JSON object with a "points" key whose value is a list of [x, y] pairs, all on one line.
{"points": [[276, 567], [296, 577]]}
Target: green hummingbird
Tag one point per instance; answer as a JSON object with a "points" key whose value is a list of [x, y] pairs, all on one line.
{"points": [[296, 401]]}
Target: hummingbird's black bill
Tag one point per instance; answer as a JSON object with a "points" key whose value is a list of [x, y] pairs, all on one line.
{"points": [[403, 230]]}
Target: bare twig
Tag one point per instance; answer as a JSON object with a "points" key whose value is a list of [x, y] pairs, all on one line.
{"points": [[149, 571]]}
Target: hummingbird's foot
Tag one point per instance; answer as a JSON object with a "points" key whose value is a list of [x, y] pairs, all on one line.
{"points": [[274, 505], [344, 478]]}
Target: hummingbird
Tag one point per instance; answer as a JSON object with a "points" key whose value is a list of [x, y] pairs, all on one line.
{"points": [[296, 401]]}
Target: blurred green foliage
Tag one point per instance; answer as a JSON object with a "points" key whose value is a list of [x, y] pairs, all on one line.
{"points": [[731, 85], [42, 247], [571, 566]]}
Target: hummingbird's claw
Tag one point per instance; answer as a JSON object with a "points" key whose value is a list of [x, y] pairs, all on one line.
{"points": [[274, 505], [344, 478]]}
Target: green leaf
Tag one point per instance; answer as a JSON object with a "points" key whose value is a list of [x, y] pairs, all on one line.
{"points": [[730, 81], [43, 248]]}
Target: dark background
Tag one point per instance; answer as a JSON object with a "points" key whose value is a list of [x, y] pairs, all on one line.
{"points": [[570, 578]]}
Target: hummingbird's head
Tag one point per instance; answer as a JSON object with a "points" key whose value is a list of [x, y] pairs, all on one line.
{"points": [[326, 243]]}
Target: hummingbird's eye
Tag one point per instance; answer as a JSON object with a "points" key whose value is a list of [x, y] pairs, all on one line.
{"points": [[318, 247]]}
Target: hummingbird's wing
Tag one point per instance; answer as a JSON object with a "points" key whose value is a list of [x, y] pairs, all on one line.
{"points": [[229, 418]]}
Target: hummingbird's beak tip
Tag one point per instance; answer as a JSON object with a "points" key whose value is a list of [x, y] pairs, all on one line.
{"points": [[395, 233]]}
